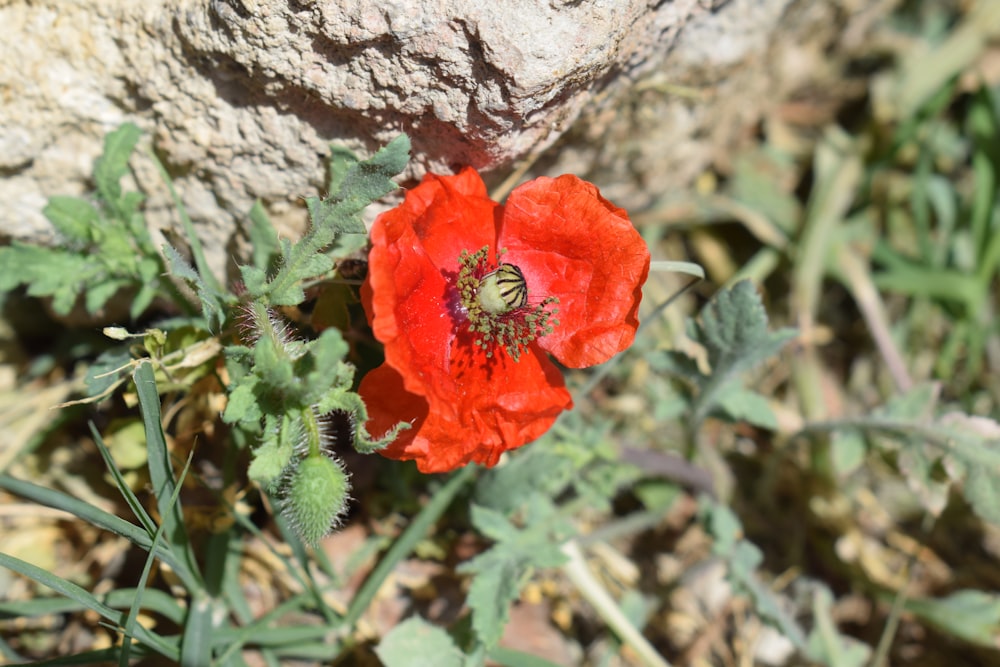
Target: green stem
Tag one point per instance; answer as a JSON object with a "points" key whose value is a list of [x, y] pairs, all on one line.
{"points": [[313, 431]]}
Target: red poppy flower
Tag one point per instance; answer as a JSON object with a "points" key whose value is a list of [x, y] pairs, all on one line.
{"points": [[468, 296]]}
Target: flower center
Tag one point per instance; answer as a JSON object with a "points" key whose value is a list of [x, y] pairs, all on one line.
{"points": [[503, 290], [495, 299]]}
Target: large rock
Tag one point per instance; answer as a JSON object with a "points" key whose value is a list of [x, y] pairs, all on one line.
{"points": [[242, 99]]}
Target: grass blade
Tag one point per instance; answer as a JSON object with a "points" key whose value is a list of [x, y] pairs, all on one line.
{"points": [[87, 600]]}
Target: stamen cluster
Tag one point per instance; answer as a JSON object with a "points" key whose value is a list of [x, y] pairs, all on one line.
{"points": [[512, 329]]}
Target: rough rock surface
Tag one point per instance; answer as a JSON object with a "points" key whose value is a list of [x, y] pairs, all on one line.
{"points": [[241, 98]]}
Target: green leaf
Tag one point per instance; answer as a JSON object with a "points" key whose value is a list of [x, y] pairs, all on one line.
{"points": [[109, 369], [974, 449], [501, 571], [204, 618], [48, 272], [213, 303], [161, 473], [759, 181], [970, 614], [254, 279], [113, 164], [212, 283], [723, 525], [935, 453], [507, 657], [982, 490], [417, 643], [362, 183], [271, 458], [100, 292], [741, 404], [848, 450], [180, 267], [678, 364], [75, 218], [97, 517], [107, 248], [141, 301], [743, 558], [242, 405], [826, 644], [537, 469], [492, 524], [341, 160], [493, 590], [264, 246], [291, 294], [327, 372], [733, 329]]}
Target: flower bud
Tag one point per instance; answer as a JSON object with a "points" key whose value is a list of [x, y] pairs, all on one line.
{"points": [[316, 497]]}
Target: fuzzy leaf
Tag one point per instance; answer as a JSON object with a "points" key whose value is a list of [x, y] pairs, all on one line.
{"points": [[362, 183], [733, 329], [417, 643], [75, 218], [848, 449], [745, 405], [341, 160], [242, 405], [539, 469], [502, 570], [291, 294], [743, 558], [678, 364], [254, 279], [934, 453], [48, 272], [916, 404], [492, 524], [975, 450], [113, 164], [213, 304], [492, 592], [270, 459], [329, 350]]}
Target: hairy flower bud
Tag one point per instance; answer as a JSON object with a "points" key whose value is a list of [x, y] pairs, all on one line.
{"points": [[316, 497]]}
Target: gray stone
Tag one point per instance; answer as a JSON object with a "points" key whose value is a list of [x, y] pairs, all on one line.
{"points": [[241, 99]]}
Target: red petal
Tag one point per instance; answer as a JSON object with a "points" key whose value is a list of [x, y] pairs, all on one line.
{"points": [[449, 214], [481, 409], [573, 244], [389, 403], [415, 248]]}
